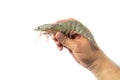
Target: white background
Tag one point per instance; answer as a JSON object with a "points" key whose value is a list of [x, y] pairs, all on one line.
{"points": [[26, 56]]}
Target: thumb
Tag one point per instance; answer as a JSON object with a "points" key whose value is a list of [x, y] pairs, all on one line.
{"points": [[65, 41]]}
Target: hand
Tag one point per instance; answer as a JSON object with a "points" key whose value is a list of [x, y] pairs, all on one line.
{"points": [[93, 59], [79, 47]]}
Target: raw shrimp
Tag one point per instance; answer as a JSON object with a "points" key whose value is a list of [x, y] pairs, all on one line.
{"points": [[70, 28]]}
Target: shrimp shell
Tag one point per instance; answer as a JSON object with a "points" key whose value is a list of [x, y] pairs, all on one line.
{"points": [[68, 28]]}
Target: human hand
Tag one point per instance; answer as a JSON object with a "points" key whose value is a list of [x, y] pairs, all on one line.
{"points": [[79, 47], [93, 59]]}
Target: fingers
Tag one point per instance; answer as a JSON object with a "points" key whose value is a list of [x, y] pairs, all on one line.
{"points": [[65, 41], [65, 20], [59, 45]]}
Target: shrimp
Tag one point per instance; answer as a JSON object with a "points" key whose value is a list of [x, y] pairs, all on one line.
{"points": [[69, 27]]}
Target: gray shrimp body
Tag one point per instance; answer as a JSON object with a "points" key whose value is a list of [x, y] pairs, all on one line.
{"points": [[68, 28]]}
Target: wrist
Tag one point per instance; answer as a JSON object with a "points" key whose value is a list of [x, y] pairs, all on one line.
{"points": [[103, 68]]}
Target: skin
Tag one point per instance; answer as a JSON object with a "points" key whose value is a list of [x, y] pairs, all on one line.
{"points": [[94, 60]]}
